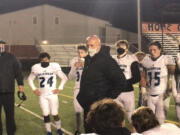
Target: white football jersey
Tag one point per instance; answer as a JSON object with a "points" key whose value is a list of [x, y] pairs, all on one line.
{"points": [[125, 64], [46, 77], [157, 73], [75, 72], [164, 129]]}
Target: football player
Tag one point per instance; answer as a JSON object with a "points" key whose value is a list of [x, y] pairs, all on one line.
{"points": [[176, 86], [129, 64], [46, 73], [155, 78], [142, 97], [77, 64]]}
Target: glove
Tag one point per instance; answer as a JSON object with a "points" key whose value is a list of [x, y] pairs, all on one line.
{"points": [[21, 95]]}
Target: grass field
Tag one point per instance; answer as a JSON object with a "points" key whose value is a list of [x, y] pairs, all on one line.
{"points": [[28, 124]]}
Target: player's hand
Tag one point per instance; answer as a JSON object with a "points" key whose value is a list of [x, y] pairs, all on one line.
{"points": [[56, 91], [37, 92], [21, 88], [144, 93], [167, 93], [143, 82], [79, 64]]}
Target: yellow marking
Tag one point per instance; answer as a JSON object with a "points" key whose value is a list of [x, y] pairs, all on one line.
{"points": [[66, 96], [173, 122]]}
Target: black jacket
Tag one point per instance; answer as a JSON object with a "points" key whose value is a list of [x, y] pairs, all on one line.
{"points": [[9, 71], [101, 78], [136, 76]]}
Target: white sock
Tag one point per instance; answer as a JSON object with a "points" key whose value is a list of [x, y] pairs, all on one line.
{"points": [[48, 127], [58, 124]]}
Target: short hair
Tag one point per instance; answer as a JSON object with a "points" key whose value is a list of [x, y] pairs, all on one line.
{"points": [[144, 119], [82, 47], [140, 55], [93, 36], [119, 42], [156, 43], [105, 114], [2, 42], [44, 55]]}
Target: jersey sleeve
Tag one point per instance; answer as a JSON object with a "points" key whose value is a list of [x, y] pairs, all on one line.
{"points": [[169, 60], [31, 78], [144, 61], [56, 68], [72, 73], [61, 75]]}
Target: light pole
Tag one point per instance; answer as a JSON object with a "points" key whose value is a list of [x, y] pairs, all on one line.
{"points": [[139, 23]]}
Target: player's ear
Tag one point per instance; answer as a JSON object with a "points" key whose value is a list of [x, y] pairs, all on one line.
{"points": [[123, 123]]}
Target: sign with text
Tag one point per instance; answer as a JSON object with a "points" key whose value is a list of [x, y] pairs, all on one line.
{"points": [[158, 28]]}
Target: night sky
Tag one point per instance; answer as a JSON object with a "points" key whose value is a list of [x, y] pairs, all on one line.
{"points": [[120, 13]]}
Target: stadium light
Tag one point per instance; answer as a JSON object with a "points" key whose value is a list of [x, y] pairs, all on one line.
{"points": [[44, 42]]}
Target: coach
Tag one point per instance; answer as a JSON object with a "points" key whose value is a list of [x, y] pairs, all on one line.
{"points": [[9, 71], [101, 77]]}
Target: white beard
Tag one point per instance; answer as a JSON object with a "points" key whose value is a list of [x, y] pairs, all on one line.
{"points": [[92, 52]]}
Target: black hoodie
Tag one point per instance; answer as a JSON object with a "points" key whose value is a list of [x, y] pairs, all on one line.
{"points": [[10, 69], [101, 78]]}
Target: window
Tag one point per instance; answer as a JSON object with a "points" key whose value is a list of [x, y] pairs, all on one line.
{"points": [[34, 19], [56, 20]]}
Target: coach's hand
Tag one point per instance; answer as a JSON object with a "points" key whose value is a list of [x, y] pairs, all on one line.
{"points": [[21, 88], [56, 91], [37, 92]]}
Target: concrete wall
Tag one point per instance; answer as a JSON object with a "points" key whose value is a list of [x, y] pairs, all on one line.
{"points": [[17, 27], [70, 27]]}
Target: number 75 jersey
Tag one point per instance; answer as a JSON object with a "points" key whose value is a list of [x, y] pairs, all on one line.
{"points": [[46, 77], [157, 73]]}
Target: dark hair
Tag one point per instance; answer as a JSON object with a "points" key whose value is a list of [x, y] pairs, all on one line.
{"points": [[2, 42], [44, 55], [156, 43], [105, 114], [82, 47], [140, 55], [144, 119]]}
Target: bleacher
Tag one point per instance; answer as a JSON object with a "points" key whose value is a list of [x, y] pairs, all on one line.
{"points": [[60, 53], [170, 41], [64, 53]]}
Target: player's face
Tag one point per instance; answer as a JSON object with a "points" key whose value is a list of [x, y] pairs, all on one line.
{"points": [[154, 51], [123, 46], [140, 57], [122, 50], [82, 53], [45, 59]]}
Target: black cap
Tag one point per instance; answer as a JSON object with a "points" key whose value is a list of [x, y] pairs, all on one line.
{"points": [[2, 42]]}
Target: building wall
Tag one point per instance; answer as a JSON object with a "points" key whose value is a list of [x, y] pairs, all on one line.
{"points": [[58, 26], [18, 28], [72, 27]]}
